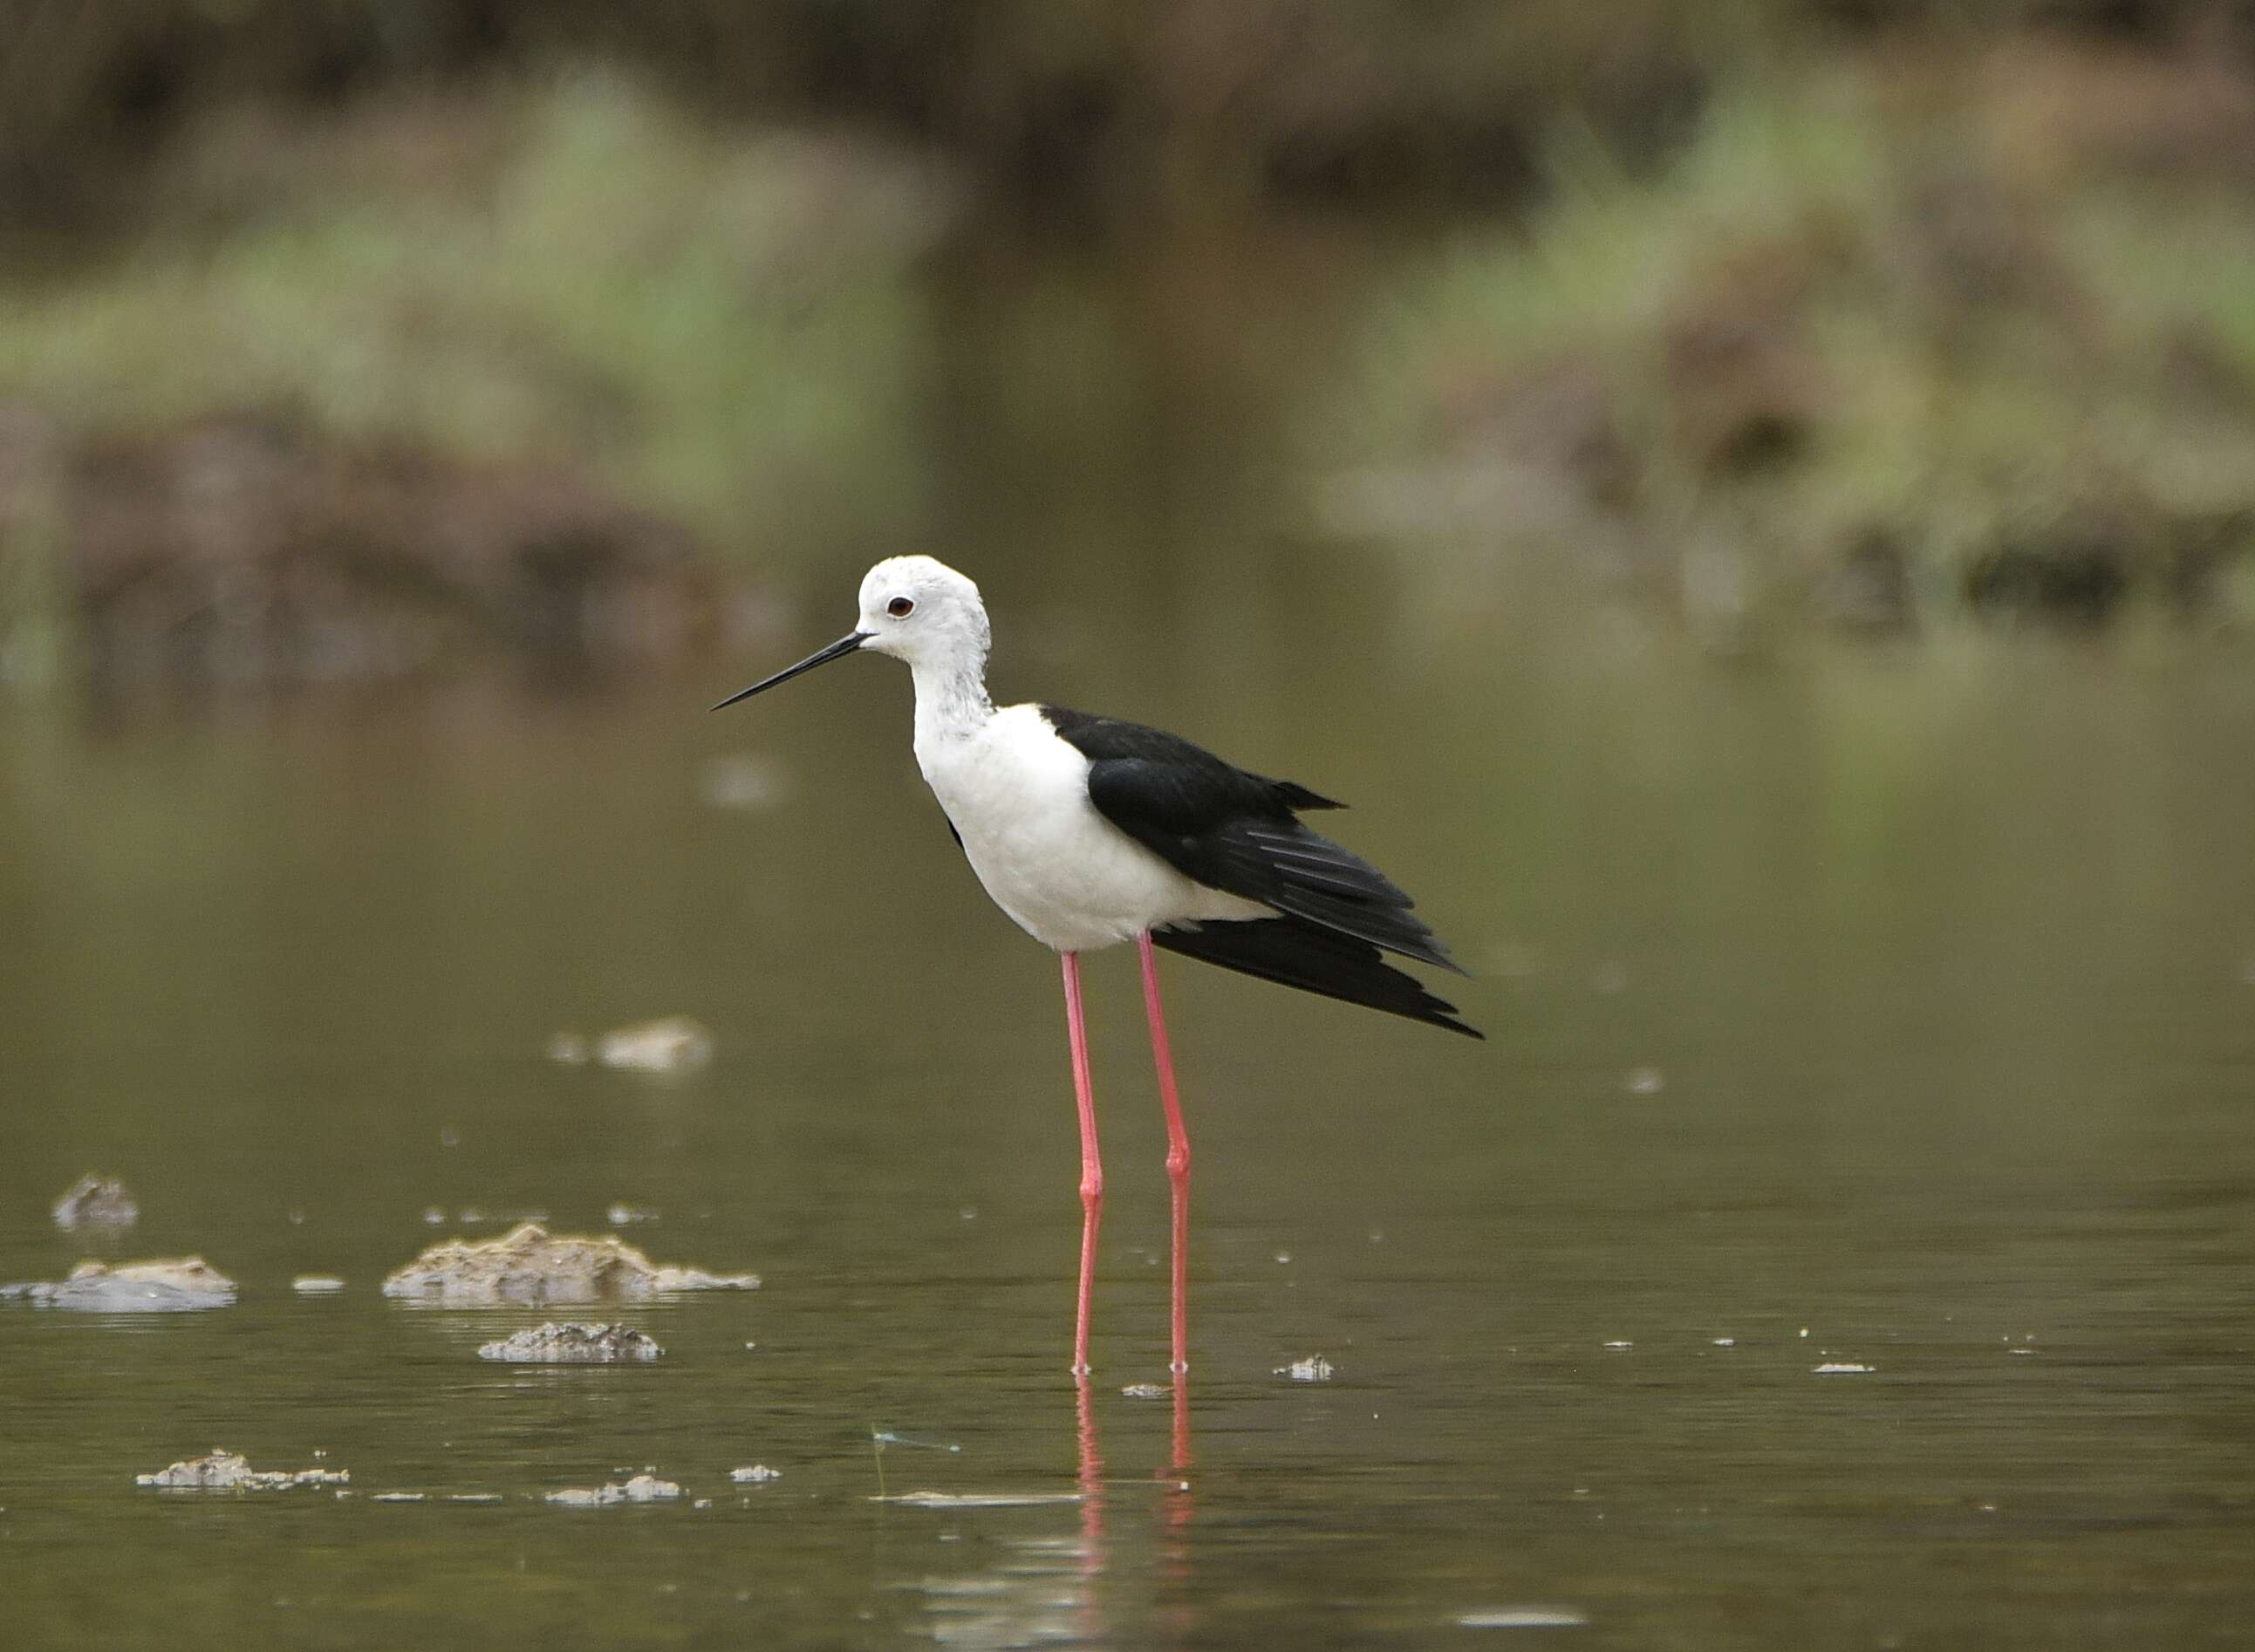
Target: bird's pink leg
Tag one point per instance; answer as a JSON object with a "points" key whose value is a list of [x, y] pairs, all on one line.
{"points": [[1179, 1152], [1091, 1161]]}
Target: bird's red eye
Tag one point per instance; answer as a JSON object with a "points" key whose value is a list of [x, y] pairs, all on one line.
{"points": [[900, 608]]}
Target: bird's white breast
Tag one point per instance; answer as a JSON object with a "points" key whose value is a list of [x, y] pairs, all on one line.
{"points": [[1018, 796]]}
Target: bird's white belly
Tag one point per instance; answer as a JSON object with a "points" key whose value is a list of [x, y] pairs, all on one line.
{"points": [[1018, 798]]}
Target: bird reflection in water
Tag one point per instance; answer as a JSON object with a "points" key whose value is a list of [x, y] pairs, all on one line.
{"points": [[1175, 1511], [1177, 1503], [1044, 1589]]}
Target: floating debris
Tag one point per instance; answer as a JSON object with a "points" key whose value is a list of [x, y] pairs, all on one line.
{"points": [[572, 1342], [886, 1437], [179, 1285], [978, 1499], [434, 1216], [671, 1044], [1726, 1342], [1314, 1368], [226, 1471], [744, 781], [1842, 1368], [401, 1497], [527, 1265], [316, 1285], [625, 1215], [97, 1201], [642, 1488], [1525, 1618], [757, 1474], [1146, 1391], [1645, 1081], [474, 1497], [568, 1048], [1620, 1345]]}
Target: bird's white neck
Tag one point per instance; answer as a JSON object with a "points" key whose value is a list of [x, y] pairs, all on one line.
{"points": [[950, 701]]}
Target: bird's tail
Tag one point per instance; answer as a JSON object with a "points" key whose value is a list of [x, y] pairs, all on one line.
{"points": [[1295, 952]]}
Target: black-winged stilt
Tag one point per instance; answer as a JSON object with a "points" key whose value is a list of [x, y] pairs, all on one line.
{"points": [[1090, 832]]}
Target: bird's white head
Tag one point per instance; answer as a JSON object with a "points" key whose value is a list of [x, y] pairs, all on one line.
{"points": [[919, 609]]}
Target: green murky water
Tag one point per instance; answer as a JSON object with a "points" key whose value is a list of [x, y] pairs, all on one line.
{"points": [[1881, 1009]]}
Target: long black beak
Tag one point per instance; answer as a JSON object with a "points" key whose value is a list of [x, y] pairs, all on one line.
{"points": [[839, 649]]}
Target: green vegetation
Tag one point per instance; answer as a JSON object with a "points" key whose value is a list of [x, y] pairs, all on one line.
{"points": [[718, 327], [1766, 308], [1883, 338]]}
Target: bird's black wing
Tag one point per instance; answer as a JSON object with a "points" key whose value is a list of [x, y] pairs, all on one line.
{"points": [[1200, 782], [1294, 952], [1235, 831]]}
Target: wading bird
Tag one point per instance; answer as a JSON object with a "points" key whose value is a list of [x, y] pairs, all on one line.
{"points": [[1089, 832]]}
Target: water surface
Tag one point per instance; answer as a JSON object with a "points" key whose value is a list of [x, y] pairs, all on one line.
{"points": [[1886, 1009]]}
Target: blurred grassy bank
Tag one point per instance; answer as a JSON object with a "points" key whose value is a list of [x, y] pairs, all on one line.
{"points": [[541, 317], [1890, 336], [357, 350]]}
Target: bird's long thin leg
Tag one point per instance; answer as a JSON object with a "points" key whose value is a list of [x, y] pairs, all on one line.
{"points": [[1178, 1152], [1091, 1161]]}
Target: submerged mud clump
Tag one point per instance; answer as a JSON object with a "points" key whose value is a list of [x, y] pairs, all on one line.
{"points": [[671, 1044], [527, 1264], [226, 1471], [575, 1342], [97, 1201], [642, 1488], [979, 1500], [175, 1286]]}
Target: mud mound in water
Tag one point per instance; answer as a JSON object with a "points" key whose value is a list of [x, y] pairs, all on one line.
{"points": [[173, 1285], [528, 1264]]}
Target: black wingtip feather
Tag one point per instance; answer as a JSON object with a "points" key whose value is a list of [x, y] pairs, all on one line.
{"points": [[1309, 876], [1294, 951], [1293, 795]]}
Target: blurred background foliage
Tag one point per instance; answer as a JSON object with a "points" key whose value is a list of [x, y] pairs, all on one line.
{"points": [[358, 337]]}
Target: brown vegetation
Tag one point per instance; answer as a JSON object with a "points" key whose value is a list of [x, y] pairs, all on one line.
{"points": [[240, 549]]}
